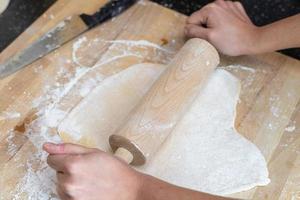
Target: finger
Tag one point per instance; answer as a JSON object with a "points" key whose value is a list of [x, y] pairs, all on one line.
{"points": [[199, 17], [58, 162], [235, 10], [221, 3], [61, 177], [66, 148], [65, 183], [62, 194], [242, 10], [192, 31]]}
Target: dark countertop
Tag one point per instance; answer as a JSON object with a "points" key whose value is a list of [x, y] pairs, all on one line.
{"points": [[260, 12], [21, 13], [18, 16]]}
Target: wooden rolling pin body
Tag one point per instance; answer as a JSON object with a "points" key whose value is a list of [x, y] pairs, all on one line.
{"points": [[165, 103]]}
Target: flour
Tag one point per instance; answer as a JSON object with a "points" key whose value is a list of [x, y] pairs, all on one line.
{"points": [[139, 43], [52, 117], [239, 67], [204, 140], [88, 85], [275, 111], [249, 71], [290, 128], [39, 183], [12, 147], [39, 180], [75, 47], [7, 115], [205, 152], [105, 60], [125, 49], [60, 25]]}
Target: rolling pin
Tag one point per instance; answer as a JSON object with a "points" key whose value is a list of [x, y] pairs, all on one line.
{"points": [[165, 103]]}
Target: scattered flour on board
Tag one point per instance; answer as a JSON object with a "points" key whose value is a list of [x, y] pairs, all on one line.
{"points": [[290, 128], [12, 147], [6, 115], [88, 85], [125, 51], [104, 60], [275, 111], [39, 180], [75, 47], [250, 72], [60, 25], [139, 43], [240, 67]]}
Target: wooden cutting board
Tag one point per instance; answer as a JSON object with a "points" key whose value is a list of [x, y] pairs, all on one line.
{"points": [[268, 112]]}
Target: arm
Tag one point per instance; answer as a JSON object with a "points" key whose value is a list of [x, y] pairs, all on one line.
{"points": [[227, 26], [85, 173], [282, 34]]}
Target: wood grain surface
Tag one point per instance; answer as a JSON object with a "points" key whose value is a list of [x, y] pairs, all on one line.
{"points": [[268, 112], [167, 101]]}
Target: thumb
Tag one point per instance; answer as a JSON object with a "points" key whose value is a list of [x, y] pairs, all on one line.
{"points": [[192, 30], [65, 148]]}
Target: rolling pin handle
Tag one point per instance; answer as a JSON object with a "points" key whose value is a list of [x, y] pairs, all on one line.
{"points": [[127, 150], [124, 155]]}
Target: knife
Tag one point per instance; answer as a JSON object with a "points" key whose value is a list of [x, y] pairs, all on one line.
{"points": [[63, 32]]}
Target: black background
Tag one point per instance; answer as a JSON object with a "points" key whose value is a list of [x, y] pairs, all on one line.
{"points": [[21, 13]]}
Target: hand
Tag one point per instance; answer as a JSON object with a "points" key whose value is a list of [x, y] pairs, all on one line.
{"points": [[90, 174], [225, 25]]}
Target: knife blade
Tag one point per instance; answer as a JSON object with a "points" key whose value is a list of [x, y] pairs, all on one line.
{"points": [[63, 32]]}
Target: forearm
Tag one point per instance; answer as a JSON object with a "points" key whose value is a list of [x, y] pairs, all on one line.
{"points": [[155, 189], [279, 35]]}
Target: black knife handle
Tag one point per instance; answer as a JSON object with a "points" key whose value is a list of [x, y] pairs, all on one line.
{"points": [[108, 11]]}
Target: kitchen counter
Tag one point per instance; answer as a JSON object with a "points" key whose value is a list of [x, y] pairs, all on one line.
{"points": [[21, 13], [268, 113]]}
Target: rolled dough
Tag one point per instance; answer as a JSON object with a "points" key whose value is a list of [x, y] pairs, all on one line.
{"points": [[204, 152], [99, 115]]}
